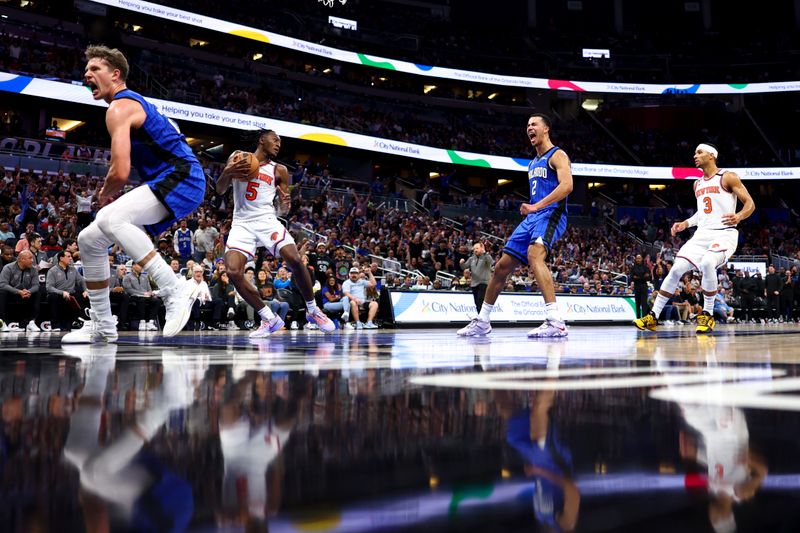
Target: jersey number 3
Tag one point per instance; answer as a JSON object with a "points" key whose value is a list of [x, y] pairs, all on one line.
{"points": [[252, 190], [707, 201]]}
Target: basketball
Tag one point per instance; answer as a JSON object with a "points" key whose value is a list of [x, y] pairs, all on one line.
{"points": [[251, 159]]}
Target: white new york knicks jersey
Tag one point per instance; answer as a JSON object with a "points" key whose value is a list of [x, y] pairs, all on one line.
{"points": [[254, 198], [713, 201]]}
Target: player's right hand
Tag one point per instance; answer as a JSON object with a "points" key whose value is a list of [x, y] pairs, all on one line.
{"points": [[237, 168], [678, 227]]}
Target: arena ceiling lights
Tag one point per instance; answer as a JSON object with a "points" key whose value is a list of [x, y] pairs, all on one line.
{"points": [[283, 41], [76, 93]]}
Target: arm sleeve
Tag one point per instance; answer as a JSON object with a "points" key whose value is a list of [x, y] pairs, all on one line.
{"points": [[692, 220]]}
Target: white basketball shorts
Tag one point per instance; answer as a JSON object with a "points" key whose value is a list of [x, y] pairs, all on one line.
{"points": [[245, 236]]}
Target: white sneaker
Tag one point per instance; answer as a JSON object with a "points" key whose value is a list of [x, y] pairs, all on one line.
{"points": [[231, 313], [178, 302], [370, 325], [142, 325], [310, 325], [151, 325], [359, 325], [476, 328], [232, 326], [294, 325], [549, 328], [93, 331], [32, 327], [348, 325], [345, 318], [319, 318], [267, 328], [11, 327]]}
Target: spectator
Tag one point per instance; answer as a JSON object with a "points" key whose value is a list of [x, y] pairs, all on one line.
{"points": [[203, 301], [334, 301], [119, 297], [722, 310], [6, 256], [137, 287], [266, 289], [183, 239], [355, 289], [66, 290], [479, 265], [787, 297], [204, 239], [223, 297], [19, 286]]}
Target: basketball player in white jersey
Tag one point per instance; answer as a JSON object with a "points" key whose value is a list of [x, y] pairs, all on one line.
{"points": [[713, 243], [255, 222]]}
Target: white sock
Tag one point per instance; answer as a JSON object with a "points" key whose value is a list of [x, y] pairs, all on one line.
{"points": [[659, 304], [708, 304], [266, 313], [100, 302], [486, 311], [311, 305], [552, 312], [162, 274]]}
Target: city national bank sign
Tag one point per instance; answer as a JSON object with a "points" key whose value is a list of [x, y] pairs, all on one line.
{"points": [[445, 307]]}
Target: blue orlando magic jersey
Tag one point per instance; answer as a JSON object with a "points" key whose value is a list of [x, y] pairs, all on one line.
{"points": [[542, 179], [157, 147], [184, 240]]}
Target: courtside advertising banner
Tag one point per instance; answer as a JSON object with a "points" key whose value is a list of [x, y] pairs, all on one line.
{"points": [[456, 307]]}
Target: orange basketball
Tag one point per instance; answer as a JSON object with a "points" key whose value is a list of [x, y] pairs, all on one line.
{"points": [[251, 159]]}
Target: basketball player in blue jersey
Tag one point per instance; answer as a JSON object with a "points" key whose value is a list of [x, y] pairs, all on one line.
{"points": [[550, 180], [173, 186]]}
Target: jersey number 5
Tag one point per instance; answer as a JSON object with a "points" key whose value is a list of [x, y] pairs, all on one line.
{"points": [[707, 201], [252, 190]]}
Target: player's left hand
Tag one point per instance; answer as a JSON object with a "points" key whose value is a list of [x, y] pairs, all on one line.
{"points": [[731, 219], [285, 199]]}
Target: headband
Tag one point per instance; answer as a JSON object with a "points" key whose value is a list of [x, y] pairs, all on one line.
{"points": [[708, 148]]}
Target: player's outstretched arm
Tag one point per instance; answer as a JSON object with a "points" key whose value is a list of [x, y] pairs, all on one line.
{"points": [[733, 183]]}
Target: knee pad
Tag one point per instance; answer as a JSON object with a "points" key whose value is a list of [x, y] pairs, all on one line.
{"points": [[93, 245]]}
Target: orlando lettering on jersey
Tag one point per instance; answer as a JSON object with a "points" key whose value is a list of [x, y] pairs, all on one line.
{"points": [[547, 224]]}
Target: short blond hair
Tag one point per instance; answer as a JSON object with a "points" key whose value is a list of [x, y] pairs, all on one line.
{"points": [[112, 56]]}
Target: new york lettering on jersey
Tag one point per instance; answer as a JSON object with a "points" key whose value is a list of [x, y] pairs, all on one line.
{"points": [[542, 179], [713, 201], [254, 198]]}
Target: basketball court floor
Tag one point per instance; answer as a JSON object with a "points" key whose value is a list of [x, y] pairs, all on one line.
{"points": [[404, 430]]}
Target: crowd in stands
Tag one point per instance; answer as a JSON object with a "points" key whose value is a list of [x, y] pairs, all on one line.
{"points": [[477, 130], [341, 232]]}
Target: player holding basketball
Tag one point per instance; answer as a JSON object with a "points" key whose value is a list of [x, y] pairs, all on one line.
{"points": [[255, 222], [714, 241], [550, 180], [173, 185]]}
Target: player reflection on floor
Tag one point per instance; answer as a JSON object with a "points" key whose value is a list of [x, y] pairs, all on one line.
{"points": [[123, 478], [532, 434], [718, 440], [255, 424]]}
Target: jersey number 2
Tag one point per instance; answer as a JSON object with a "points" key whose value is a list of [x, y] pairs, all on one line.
{"points": [[252, 190], [707, 201]]}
